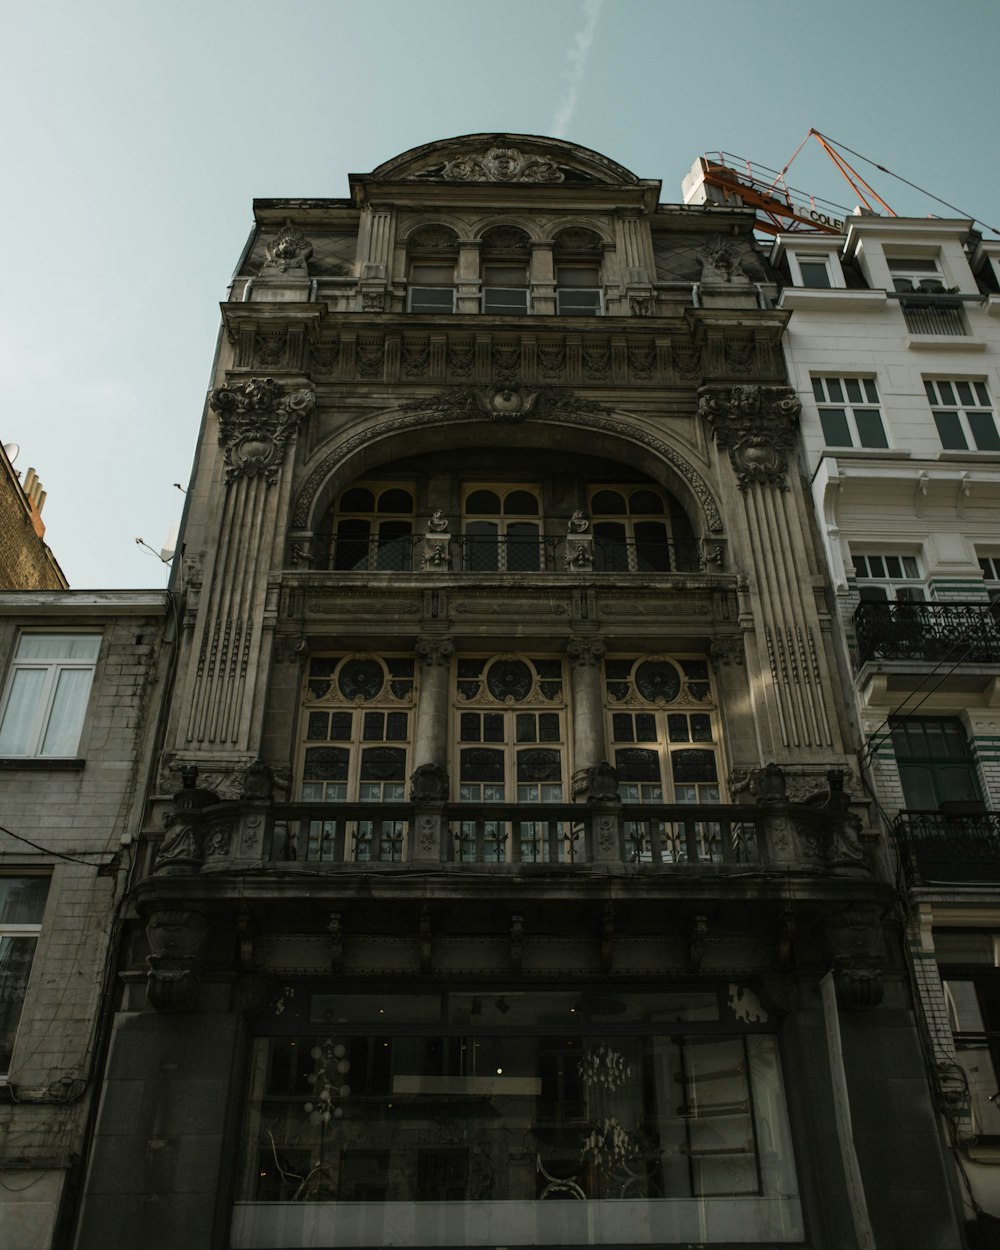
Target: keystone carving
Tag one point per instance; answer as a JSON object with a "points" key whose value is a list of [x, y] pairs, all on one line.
{"points": [[757, 426], [176, 941], [255, 423], [288, 253]]}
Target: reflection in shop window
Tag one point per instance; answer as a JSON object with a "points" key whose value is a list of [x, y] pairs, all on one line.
{"points": [[518, 1119]]}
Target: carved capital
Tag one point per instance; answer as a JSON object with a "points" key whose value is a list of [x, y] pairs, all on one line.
{"points": [[176, 942], [434, 652], [757, 425], [585, 652], [256, 420], [726, 652]]}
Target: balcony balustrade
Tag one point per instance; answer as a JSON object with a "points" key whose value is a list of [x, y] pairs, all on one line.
{"points": [[513, 554], [942, 847], [933, 316], [937, 633], [509, 833]]}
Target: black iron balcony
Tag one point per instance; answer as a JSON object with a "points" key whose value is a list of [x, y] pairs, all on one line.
{"points": [[950, 848], [933, 314], [511, 553], [936, 633]]}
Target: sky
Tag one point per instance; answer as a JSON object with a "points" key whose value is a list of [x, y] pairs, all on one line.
{"points": [[138, 134]]}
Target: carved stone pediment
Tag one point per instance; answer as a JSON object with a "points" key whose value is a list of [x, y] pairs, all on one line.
{"points": [[757, 425]]}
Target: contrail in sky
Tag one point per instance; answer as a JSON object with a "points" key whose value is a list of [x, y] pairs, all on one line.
{"points": [[576, 58]]}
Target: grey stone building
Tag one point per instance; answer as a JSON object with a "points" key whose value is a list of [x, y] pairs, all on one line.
{"points": [[507, 879]]}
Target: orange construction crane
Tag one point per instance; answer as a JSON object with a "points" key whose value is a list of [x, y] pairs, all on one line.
{"points": [[722, 178]]}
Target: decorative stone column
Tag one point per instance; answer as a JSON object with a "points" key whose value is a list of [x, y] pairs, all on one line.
{"points": [[788, 668], [429, 779], [589, 747], [258, 421], [377, 233]]}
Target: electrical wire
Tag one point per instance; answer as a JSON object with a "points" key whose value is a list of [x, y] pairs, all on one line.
{"points": [[48, 850]]}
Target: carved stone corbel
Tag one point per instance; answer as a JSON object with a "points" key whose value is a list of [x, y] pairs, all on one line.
{"points": [[854, 944], [757, 425], [176, 943]]}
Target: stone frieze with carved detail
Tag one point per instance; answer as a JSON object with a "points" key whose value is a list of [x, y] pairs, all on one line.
{"points": [[256, 420], [499, 164], [757, 425]]}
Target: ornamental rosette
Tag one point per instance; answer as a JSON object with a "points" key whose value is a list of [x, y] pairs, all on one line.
{"points": [[256, 420], [757, 425]]}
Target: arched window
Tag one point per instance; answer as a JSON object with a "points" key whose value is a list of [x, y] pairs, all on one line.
{"points": [[577, 256], [502, 529], [640, 529], [370, 526], [431, 254], [354, 748], [510, 744], [504, 258], [663, 737]]}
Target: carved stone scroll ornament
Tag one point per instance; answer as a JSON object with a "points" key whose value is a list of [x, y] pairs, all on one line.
{"points": [[854, 943], [288, 253], [757, 426], [501, 165], [256, 421], [176, 942]]}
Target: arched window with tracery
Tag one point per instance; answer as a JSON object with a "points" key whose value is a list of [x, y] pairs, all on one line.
{"points": [[354, 747], [502, 529], [431, 256], [369, 526], [504, 260], [510, 747], [662, 723], [577, 256], [640, 529]]}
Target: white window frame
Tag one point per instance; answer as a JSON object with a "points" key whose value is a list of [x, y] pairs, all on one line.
{"points": [[850, 407], [33, 738], [923, 273], [899, 575], [962, 409], [990, 566], [830, 263], [563, 291]]}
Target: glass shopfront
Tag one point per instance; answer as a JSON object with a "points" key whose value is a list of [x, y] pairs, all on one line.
{"points": [[503, 1117]]}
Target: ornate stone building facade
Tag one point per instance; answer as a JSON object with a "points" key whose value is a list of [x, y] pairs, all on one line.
{"points": [[507, 877]]}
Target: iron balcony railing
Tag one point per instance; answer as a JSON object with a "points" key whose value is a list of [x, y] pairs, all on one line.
{"points": [[516, 833], [932, 315], [942, 847], [938, 633], [513, 554]]}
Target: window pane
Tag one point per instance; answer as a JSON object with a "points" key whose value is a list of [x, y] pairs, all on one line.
{"points": [[871, 391], [835, 389], [870, 430], [17, 732], [81, 647], [853, 390], [62, 734], [22, 899], [818, 391], [16, 954], [836, 431], [814, 273], [577, 275], [950, 431], [984, 431], [964, 393]]}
